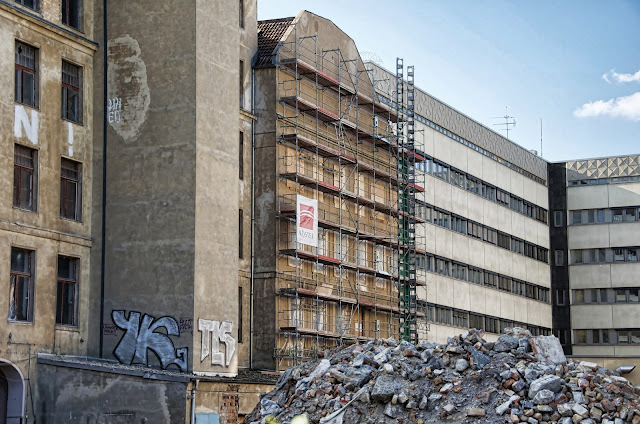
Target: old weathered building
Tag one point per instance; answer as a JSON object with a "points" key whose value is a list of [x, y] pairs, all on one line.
{"points": [[177, 205], [46, 134]]}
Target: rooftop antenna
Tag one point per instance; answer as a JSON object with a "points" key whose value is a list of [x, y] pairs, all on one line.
{"points": [[509, 121]]}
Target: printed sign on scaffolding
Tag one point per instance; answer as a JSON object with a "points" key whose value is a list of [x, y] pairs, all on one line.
{"points": [[307, 221]]}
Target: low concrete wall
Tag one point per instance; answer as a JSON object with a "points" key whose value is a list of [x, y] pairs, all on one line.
{"points": [[76, 392]]}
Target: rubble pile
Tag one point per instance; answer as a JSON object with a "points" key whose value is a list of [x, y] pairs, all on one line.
{"points": [[517, 379]]}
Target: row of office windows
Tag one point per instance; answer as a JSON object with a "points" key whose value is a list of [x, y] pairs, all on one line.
{"points": [[599, 181], [481, 188], [465, 319], [449, 220], [600, 216], [27, 83], [617, 295], [467, 143], [607, 255], [22, 288], [465, 272], [25, 183], [71, 11], [607, 336]]}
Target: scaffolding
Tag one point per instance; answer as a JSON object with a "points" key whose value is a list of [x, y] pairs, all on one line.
{"points": [[406, 171], [338, 144]]}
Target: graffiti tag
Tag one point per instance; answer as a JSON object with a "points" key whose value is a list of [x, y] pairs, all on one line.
{"points": [[109, 330], [185, 325], [213, 333], [141, 335], [114, 108]]}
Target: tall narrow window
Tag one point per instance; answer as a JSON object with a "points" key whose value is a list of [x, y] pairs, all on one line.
{"points": [[241, 11], [24, 178], [240, 233], [72, 13], [31, 4], [71, 92], [240, 314], [26, 81], [66, 301], [241, 78], [70, 190], [21, 285], [557, 218], [241, 156]]}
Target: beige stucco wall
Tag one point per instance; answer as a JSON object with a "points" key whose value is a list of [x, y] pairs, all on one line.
{"points": [[43, 231]]}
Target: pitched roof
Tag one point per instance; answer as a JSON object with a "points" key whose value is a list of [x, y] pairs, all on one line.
{"points": [[270, 33]]}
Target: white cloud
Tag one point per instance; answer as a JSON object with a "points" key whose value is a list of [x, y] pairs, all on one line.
{"points": [[613, 75], [625, 107]]}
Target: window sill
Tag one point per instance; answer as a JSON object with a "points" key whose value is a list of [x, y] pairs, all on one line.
{"points": [[25, 210], [11, 321], [72, 28], [69, 328], [71, 220], [581, 224], [36, 108], [79, 123]]}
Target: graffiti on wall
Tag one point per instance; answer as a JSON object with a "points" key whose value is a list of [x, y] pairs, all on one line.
{"points": [[214, 333], [140, 336], [186, 325], [22, 124], [114, 108]]}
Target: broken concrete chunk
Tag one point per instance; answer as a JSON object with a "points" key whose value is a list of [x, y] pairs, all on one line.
{"points": [[548, 349], [505, 343], [543, 397], [461, 364], [386, 386], [548, 382], [476, 412]]}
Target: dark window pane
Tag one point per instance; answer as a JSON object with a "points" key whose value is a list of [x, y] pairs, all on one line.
{"points": [[70, 190], [66, 292]]}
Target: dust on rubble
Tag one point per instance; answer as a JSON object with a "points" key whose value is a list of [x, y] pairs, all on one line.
{"points": [[517, 379]]}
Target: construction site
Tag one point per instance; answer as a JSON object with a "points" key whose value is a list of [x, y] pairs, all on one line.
{"points": [[337, 144], [344, 133]]}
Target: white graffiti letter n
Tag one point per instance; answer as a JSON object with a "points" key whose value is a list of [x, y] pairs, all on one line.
{"points": [[21, 122]]}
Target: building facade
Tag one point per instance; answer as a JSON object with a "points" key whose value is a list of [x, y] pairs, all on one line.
{"points": [[484, 243], [46, 135], [170, 142], [595, 260], [424, 215], [153, 223]]}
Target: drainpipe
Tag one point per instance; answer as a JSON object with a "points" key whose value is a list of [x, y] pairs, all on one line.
{"points": [[194, 387], [625, 369], [104, 173], [253, 192]]}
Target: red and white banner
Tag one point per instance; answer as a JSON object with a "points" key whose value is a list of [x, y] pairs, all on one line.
{"points": [[307, 221]]}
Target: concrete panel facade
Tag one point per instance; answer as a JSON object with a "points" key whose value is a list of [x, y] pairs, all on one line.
{"points": [[605, 310]]}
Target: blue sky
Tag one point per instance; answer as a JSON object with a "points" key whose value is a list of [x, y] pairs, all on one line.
{"points": [[575, 64]]}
